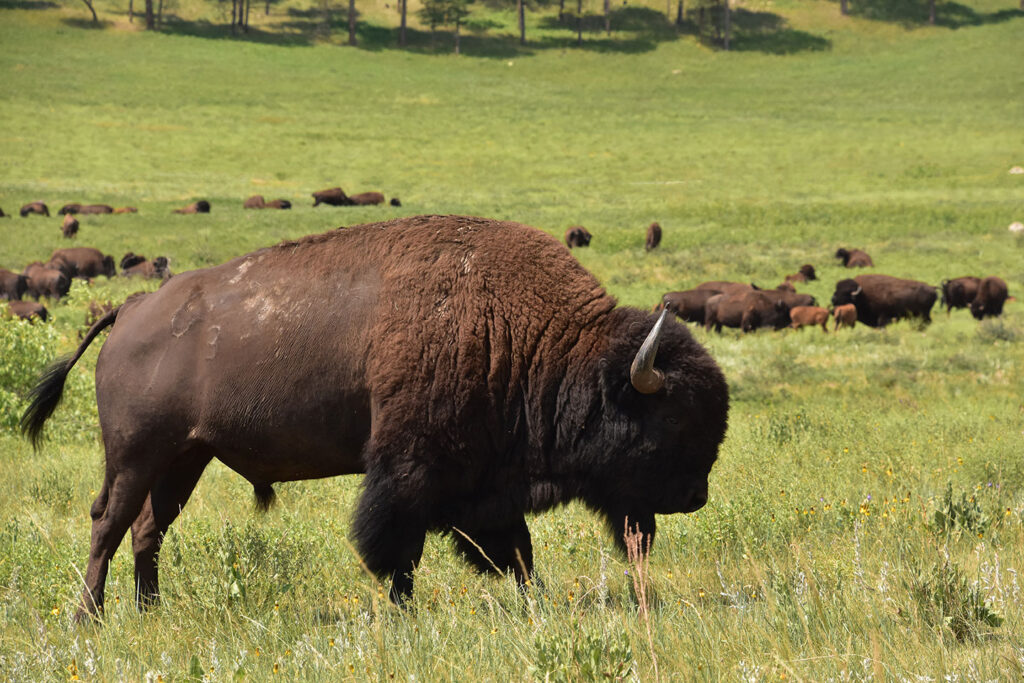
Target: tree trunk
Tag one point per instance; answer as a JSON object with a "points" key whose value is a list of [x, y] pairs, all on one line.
{"points": [[561, 10], [579, 22], [931, 12], [245, 26], [700, 21], [457, 37], [843, 8], [160, 14], [266, 10], [95, 19], [234, 12], [401, 29], [352, 22], [608, 16], [150, 19], [325, 6], [728, 24], [131, 11], [680, 10], [521, 13]]}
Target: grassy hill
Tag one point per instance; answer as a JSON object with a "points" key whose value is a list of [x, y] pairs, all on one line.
{"points": [[865, 515]]}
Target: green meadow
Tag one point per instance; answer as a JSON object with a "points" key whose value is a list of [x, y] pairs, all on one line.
{"points": [[866, 514]]}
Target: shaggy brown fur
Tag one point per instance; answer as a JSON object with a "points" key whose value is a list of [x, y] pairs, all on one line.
{"points": [[471, 368], [577, 236], [854, 258], [653, 237], [27, 310], [845, 316], [201, 206], [37, 208], [84, 262], [69, 227], [882, 299], [988, 302], [809, 315]]}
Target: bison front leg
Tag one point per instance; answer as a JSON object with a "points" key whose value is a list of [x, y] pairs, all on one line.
{"points": [[504, 549], [389, 537]]}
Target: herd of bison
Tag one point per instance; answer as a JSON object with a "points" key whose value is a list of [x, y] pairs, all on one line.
{"points": [[875, 300]]}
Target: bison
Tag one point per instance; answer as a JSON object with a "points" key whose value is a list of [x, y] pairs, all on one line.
{"points": [[366, 199], [746, 310], [126, 209], [278, 204], [12, 285], [69, 209], [395, 201], [653, 237], [155, 270], [854, 258], [131, 259], [882, 299], [201, 206], [44, 280], [69, 226], [84, 262], [687, 305], [3, 215], [809, 315], [471, 368], [577, 236], [989, 300], [27, 310], [845, 316], [805, 274], [254, 202], [334, 196], [958, 292], [95, 209], [38, 208], [725, 287]]}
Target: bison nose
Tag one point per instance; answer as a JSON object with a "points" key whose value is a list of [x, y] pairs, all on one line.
{"points": [[698, 499]]}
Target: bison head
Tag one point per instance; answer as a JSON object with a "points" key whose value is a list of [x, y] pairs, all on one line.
{"points": [[844, 255], [847, 292], [807, 270]]}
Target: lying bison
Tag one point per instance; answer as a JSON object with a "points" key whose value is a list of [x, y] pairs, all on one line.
{"points": [[126, 209], [882, 299], [69, 226], [854, 258], [958, 292], [334, 196], [505, 382], [157, 269], [83, 262], [12, 285], [988, 302], [805, 274], [653, 237], [278, 204], [366, 199], [201, 206], [577, 236], [38, 208], [254, 202], [27, 310]]}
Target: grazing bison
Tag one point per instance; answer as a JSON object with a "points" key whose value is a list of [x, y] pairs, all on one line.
{"points": [[44, 280], [395, 201], [366, 199], [577, 236], [989, 300], [653, 237], [845, 316], [334, 196], [69, 226], [38, 208], [958, 292], [95, 209], [506, 381], [155, 270], [882, 299], [131, 259], [746, 310], [254, 202], [687, 305], [12, 285], [69, 209], [126, 209], [84, 262], [724, 287], [27, 310], [201, 206], [854, 258], [278, 204], [809, 315], [805, 274]]}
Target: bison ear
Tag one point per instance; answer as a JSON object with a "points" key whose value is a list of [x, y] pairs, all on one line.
{"points": [[644, 377]]}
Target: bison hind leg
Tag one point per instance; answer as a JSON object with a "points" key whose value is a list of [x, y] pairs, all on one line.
{"points": [[264, 495], [498, 550], [389, 537]]}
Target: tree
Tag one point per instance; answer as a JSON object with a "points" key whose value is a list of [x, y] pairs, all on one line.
{"points": [[352, 22], [88, 3], [843, 8], [404, 8], [521, 16], [727, 20], [446, 12]]}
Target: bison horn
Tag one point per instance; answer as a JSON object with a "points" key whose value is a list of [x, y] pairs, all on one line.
{"points": [[856, 291], [642, 374]]}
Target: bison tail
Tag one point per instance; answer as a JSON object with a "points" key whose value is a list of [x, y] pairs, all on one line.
{"points": [[265, 496], [47, 393]]}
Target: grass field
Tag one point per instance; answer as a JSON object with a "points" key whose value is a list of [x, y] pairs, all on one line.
{"points": [[865, 519]]}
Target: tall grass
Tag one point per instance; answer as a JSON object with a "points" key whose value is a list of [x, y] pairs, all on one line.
{"points": [[865, 515]]}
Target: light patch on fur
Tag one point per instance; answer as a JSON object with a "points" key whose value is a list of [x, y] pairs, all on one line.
{"points": [[214, 333], [186, 316], [242, 267]]}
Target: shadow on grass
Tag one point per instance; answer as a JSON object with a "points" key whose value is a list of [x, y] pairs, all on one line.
{"points": [[913, 13], [82, 22], [28, 4], [771, 34]]}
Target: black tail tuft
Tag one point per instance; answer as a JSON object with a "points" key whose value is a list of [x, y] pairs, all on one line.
{"points": [[265, 496], [46, 396]]}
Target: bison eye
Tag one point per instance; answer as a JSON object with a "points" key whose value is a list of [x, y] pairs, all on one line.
{"points": [[673, 420]]}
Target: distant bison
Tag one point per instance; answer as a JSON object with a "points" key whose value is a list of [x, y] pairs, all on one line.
{"points": [[653, 237], [395, 201], [126, 209], [84, 262], [687, 305], [725, 287], [254, 202], [69, 209], [577, 236], [278, 204], [95, 209], [334, 196], [131, 259], [882, 299], [805, 274], [3, 215], [854, 258], [475, 373], [803, 316], [37, 208], [747, 311], [366, 199], [156, 269], [988, 302], [958, 292], [201, 206], [845, 316], [27, 310], [12, 285], [47, 281], [69, 226]]}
